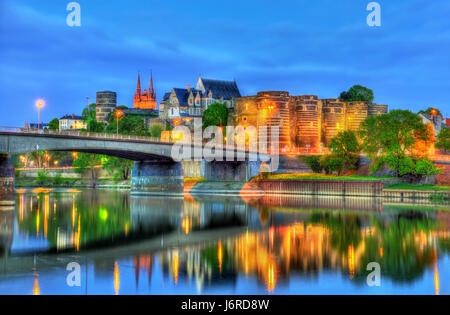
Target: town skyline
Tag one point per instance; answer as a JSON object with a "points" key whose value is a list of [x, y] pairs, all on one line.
{"points": [[290, 51]]}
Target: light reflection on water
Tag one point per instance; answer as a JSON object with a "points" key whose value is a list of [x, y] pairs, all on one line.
{"points": [[211, 245]]}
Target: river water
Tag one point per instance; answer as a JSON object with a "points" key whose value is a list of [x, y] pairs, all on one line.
{"points": [[108, 242]]}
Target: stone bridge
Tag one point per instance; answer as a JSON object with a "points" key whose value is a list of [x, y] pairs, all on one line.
{"points": [[154, 171]]}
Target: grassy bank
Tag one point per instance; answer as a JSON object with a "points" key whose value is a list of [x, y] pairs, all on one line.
{"points": [[313, 176], [425, 187], [68, 183]]}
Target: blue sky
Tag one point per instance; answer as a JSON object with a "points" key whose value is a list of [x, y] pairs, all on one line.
{"points": [[319, 47]]}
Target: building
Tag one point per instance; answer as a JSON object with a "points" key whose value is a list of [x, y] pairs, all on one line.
{"points": [[305, 121], [184, 104], [106, 104], [71, 122], [436, 120], [147, 99], [41, 126]]}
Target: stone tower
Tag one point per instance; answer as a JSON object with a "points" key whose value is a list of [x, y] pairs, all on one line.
{"points": [[106, 104]]}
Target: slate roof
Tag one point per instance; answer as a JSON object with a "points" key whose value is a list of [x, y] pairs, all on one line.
{"points": [[71, 117], [219, 88]]}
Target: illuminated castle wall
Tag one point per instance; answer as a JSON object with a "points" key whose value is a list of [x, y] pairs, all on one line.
{"points": [[306, 120]]}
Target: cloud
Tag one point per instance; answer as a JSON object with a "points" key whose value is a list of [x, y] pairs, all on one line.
{"points": [[320, 47]]}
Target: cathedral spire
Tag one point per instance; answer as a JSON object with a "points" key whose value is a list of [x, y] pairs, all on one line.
{"points": [[138, 90], [151, 90]]}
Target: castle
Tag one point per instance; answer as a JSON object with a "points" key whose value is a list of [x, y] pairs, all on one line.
{"points": [[305, 121], [191, 102], [146, 100]]}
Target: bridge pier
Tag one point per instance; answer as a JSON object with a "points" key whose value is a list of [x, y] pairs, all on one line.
{"points": [[6, 183], [157, 178], [230, 171]]}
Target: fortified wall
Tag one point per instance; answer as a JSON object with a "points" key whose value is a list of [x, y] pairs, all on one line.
{"points": [[305, 121]]}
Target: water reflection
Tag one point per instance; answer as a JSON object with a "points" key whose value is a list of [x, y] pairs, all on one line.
{"points": [[198, 245]]}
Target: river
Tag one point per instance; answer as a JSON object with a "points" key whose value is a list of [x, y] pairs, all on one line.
{"points": [[61, 241]]}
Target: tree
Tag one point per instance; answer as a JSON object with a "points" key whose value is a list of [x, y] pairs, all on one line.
{"points": [[313, 161], [90, 112], [390, 140], [93, 125], [87, 162], [215, 115], [156, 130], [119, 168], [54, 124], [443, 139], [332, 163], [128, 125], [358, 93], [345, 146]]}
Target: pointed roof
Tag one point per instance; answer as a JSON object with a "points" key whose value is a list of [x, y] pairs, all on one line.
{"points": [[139, 83], [151, 90]]}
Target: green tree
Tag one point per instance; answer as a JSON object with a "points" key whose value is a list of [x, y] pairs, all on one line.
{"points": [[215, 115], [358, 93], [90, 112], [345, 145], [389, 140], [332, 164], [443, 139], [54, 124], [313, 161], [42, 177], [119, 168], [94, 125], [128, 125], [87, 162], [156, 130]]}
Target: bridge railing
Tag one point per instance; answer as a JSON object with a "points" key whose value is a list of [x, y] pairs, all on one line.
{"points": [[83, 134]]}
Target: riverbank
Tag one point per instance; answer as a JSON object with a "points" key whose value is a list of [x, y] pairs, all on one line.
{"points": [[277, 184]]}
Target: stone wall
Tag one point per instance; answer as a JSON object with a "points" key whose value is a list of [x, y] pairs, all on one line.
{"points": [[6, 183], [306, 120]]}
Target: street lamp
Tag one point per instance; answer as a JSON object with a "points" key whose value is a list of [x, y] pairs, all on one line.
{"points": [[118, 114], [39, 104]]}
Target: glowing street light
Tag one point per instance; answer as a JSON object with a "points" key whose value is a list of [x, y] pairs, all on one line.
{"points": [[39, 104], [118, 114]]}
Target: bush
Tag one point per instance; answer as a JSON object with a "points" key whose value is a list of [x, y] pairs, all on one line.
{"points": [[156, 130], [331, 163], [42, 177], [313, 161], [58, 180]]}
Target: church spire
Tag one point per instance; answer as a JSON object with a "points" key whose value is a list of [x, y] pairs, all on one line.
{"points": [[138, 89], [151, 90]]}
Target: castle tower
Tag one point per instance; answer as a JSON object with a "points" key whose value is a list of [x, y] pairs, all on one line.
{"points": [[106, 104], [308, 116]]}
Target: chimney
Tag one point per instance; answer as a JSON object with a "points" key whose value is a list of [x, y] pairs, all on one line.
{"points": [[73, 116], [188, 87]]}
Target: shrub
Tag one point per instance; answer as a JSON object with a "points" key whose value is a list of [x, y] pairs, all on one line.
{"points": [[331, 163], [313, 161], [58, 180], [42, 177]]}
